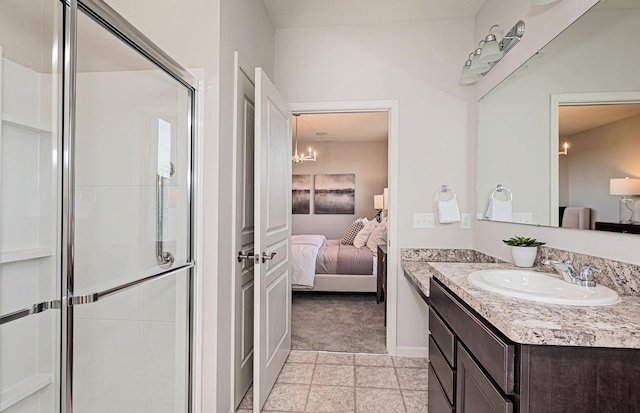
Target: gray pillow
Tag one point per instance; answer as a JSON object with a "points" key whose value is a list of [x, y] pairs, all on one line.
{"points": [[351, 232]]}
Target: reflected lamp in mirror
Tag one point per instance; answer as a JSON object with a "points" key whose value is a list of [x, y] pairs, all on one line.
{"points": [[625, 187], [565, 149]]}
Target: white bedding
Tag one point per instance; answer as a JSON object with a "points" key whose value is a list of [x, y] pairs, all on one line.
{"points": [[304, 251]]}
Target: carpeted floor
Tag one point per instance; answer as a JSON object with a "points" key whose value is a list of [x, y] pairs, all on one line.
{"points": [[337, 322]]}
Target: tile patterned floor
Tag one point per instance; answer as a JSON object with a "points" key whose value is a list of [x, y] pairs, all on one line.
{"points": [[313, 381]]}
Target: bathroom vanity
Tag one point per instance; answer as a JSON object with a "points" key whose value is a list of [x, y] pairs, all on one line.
{"points": [[491, 353]]}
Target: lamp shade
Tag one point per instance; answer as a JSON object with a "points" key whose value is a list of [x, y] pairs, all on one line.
{"points": [[624, 186], [490, 52], [467, 78], [477, 67], [378, 201], [385, 198]]}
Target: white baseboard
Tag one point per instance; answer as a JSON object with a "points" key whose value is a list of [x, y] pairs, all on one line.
{"points": [[402, 351]]}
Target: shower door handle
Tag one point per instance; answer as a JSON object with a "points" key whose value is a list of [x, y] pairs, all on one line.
{"points": [[97, 296], [164, 258], [34, 309]]}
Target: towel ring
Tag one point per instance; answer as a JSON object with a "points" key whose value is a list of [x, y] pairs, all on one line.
{"points": [[501, 188], [444, 190]]}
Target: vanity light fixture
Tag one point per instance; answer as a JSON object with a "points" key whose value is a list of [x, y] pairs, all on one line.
{"points": [[625, 187], [483, 59], [301, 157], [565, 149]]}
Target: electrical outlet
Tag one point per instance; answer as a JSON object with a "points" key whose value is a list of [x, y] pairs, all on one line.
{"points": [[465, 221], [424, 220]]}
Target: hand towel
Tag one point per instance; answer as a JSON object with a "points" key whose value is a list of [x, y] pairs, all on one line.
{"points": [[500, 210], [448, 211]]}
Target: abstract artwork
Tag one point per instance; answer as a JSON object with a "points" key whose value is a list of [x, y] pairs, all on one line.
{"points": [[301, 194], [335, 194]]}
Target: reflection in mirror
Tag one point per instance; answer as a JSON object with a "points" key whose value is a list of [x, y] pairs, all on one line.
{"points": [[581, 89]]}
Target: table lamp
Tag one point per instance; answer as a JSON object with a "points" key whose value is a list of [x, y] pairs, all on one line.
{"points": [[625, 187]]}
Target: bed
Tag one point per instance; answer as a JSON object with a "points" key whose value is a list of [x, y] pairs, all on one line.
{"points": [[318, 264]]}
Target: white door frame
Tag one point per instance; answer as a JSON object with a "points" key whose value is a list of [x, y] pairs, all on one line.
{"points": [[574, 99], [390, 106], [197, 288]]}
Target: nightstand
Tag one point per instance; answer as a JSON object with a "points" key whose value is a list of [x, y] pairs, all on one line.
{"points": [[381, 292]]}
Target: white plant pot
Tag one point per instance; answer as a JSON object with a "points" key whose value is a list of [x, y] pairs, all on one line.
{"points": [[524, 256]]}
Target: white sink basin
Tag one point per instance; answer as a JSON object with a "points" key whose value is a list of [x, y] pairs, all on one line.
{"points": [[542, 287]]}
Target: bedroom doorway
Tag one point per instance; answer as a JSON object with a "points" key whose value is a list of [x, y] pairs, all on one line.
{"points": [[338, 304]]}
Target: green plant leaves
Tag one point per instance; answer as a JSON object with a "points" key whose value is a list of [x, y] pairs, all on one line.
{"points": [[523, 242]]}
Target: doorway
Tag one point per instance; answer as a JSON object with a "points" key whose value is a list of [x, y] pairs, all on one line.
{"points": [[334, 305], [241, 316]]}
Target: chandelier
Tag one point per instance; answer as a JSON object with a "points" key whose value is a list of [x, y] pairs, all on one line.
{"points": [[302, 157]]}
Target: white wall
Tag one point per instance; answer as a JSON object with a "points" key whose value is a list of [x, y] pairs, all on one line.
{"points": [[417, 64], [543, 23], [28, 216], [367, 160]]}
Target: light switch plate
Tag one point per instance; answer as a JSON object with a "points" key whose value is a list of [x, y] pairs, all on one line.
{"points": [[424, 220], [465, 221]]}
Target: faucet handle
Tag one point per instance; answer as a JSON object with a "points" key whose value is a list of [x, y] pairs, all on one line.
{"points": [[586, 274]]}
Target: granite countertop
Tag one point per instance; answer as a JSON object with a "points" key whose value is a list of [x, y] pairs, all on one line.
{"points": [[528, 322]]}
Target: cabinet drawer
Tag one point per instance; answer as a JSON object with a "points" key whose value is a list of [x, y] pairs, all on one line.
{"points": [[443, 337], [475, 392], [493, 352], [446, 375], [438, 402]]}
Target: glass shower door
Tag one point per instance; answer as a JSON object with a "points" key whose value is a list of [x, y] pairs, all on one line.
{"points": [[131, 229], [30, 294]]}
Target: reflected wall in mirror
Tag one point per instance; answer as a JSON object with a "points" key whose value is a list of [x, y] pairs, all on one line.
{"points": [[582, 89]]}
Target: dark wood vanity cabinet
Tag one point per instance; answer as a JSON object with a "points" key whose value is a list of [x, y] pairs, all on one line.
{"points": [[456, 333], [474, 368]]}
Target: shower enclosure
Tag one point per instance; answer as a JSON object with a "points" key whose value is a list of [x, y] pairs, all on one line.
{"points": [[96, 255]]}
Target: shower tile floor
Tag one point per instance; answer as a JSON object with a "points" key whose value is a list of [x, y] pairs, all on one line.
{"points": [[315, 381]]}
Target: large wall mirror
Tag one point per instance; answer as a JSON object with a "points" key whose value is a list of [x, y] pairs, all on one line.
{"points": [[558, 137]]}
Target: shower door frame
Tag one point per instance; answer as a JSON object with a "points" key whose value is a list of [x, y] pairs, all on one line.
{"points": [[115, 24]]}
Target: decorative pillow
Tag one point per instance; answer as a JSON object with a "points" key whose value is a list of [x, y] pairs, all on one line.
{"points": [[378, 236], [361, 239], [351, 232]]}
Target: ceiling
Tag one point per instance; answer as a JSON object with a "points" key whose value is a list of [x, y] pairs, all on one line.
{"points": [[343, 127], [575, 119], [303, 13]]}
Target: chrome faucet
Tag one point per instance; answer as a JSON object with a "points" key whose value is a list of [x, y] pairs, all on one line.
{"points": [[582, 276]]}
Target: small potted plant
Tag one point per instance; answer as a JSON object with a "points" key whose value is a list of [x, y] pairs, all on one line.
{"points": [[523, 250]]}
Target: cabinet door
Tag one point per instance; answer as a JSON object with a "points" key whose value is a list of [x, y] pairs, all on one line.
{"points": [[475, 392], [438, 402]]}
